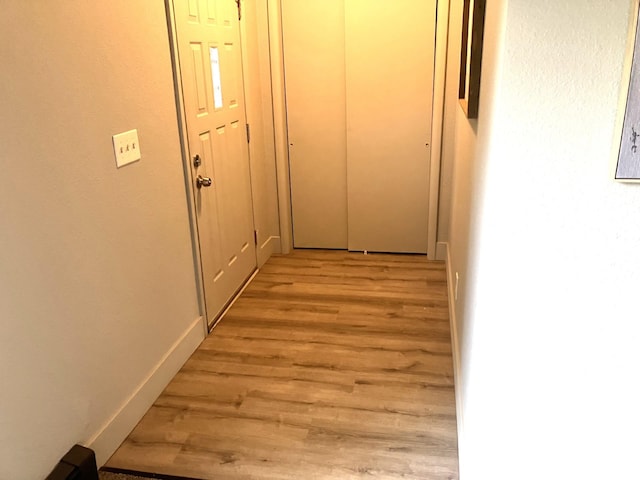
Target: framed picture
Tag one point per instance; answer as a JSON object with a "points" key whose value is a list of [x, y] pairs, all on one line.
{"points": [[471, 56], [627, 165]]}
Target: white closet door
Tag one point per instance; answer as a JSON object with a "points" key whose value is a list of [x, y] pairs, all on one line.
{"points": [[359, 86], [389, 48], [313, 32]]}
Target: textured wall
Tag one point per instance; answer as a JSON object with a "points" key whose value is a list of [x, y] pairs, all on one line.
{"points": [[548, 309], [96, 268]]}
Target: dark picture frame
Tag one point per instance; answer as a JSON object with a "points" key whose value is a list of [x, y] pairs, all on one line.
{"points": [[473, 14]]}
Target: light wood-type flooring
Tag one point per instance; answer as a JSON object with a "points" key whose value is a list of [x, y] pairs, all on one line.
{"points": [[331, 365]]}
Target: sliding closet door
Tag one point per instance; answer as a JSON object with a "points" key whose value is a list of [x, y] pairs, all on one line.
{"points": [[313, 32], [359, 86], [389, 48]]}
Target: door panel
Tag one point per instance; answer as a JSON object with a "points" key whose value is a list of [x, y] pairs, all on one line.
{"points": [[389, 48], [211, 73], [313, 33]]}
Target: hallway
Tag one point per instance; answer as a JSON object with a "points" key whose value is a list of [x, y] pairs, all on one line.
{"points": [[330, 365]]}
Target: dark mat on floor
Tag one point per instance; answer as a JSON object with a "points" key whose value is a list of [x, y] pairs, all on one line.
{"points": [[117, 474]]}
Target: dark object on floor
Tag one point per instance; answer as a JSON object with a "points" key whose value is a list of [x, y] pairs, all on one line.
{"points": [[107, 473], [79, 463]]}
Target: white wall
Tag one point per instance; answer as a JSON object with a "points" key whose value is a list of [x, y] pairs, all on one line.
{"points": [[96, 267], [547, 246]]}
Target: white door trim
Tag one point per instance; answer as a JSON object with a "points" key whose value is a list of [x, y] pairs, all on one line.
{"points": [[280, 122], [437, 121], [186, 162]]}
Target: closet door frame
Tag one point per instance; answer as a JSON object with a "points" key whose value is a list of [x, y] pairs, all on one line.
{"points": [[280, 123]]}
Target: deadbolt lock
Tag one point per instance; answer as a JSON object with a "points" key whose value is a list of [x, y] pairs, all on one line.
{"points": [[197, 161]]}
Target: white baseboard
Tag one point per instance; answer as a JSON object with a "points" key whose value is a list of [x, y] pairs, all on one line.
{"points": [[441, 251], [233, 300], [270, 246], [116, 429], [455, 343]]}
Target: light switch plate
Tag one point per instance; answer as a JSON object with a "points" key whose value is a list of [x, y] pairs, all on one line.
{"points": [[126, 148]]}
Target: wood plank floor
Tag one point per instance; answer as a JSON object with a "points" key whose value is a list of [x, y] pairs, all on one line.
{"points": [[331, 365]]}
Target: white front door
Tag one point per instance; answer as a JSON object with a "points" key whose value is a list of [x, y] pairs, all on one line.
{"points": [[211, 76], [359, 88]]}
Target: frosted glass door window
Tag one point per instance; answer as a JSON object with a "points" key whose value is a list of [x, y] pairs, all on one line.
{"points": [[216, 77]]}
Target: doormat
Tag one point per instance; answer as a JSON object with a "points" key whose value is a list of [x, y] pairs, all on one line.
{"points": [[106, 473]]}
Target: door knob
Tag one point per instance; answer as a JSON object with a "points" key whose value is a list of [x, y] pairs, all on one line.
{"points": [[203, 181]]}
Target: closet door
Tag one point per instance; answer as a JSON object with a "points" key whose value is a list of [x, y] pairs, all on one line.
{"points": [[389, 58], [313, 33], [359, 87]]}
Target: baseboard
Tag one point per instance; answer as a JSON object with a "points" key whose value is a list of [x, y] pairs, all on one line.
{"points": [[236, 296], [116, 429], [270, 246], [441, 251], [455, 343]]}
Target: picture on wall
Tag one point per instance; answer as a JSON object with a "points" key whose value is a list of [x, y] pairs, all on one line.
{"points": [[628, 161], [471, 56]]}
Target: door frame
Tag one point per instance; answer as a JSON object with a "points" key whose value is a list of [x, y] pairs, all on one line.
{"points": [[188, 170], [186, 163], [280, 122], [187, 167]]}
